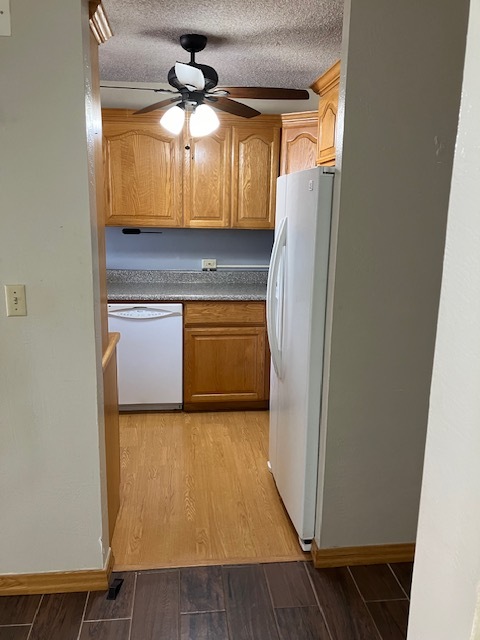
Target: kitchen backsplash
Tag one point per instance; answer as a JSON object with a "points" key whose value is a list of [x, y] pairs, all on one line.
{"points": [[184, 248]]}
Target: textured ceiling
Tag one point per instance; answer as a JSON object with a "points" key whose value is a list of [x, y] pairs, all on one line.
{"points": [[251, 43]]}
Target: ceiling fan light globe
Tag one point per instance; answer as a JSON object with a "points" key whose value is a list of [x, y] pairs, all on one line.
{"points": [[173, 120], [203, 121]]}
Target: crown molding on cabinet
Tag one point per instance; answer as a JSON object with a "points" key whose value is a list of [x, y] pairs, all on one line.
{"points": [[327, 80], [126, 115], [99, 23]]}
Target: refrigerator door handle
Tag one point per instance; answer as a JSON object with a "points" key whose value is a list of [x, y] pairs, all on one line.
{"points": [[273, 271]]}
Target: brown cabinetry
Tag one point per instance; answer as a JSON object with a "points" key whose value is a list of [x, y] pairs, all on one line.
{"points": [[299, 141], [143, 175], [255, 171], [226, 359], [327, 88], [224, 180], [206, 187]]}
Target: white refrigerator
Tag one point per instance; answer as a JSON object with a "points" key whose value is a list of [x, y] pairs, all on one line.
{"points": [[296, 304]]}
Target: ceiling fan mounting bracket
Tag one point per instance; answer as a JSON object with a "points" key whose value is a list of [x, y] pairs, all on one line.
{"points": [[193, 42]]}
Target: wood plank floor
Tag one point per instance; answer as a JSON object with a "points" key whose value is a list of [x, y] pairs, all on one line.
{"points": [[196, 491], [281, 601]]}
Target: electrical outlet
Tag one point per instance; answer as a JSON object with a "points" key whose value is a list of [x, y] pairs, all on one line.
{"points": [[5, 27], [16, 300], [209, 264]]}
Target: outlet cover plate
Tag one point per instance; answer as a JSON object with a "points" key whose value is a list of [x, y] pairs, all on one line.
{"points": [[209, 264]]}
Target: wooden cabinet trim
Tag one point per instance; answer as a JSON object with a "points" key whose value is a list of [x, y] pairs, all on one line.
{"points": [[327, 80], [126, 116], [300, 119]]}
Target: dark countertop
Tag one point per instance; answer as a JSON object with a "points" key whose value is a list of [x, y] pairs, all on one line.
{"points": [[126, 285]]}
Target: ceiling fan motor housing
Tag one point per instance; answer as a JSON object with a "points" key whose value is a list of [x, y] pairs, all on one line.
{"points": [[211, 77]]}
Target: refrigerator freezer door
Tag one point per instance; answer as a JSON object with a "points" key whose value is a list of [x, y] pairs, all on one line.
{"points": [[297, 394]]}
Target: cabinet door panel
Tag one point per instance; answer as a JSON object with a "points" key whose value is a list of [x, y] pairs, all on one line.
{"points": [[301, 153], [255, 170], [327, 122], [143, 176], [207, 181], [224, 364], [299, 141]]}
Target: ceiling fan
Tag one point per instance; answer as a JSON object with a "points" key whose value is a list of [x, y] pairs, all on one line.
{"points": [[196, 86]]}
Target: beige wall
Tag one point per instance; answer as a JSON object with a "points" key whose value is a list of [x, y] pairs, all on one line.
{"points": [[50, 402], [400, 89], [447, 568]]}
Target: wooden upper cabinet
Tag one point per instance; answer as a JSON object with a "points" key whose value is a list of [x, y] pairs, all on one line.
{"points": [[255, 171], [327, 88], [154, 179], [143, 175], [206, 184], [299, 141]]}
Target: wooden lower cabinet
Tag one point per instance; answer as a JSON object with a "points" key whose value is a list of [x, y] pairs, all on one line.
{"points": [[226, 358]]}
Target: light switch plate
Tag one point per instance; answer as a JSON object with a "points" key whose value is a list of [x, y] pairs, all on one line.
{"points": [[16, 300], [5, 22]]}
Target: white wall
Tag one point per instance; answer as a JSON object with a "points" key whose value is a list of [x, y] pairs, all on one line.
{"points": [[50, 408], [447, 566], [185, 248], [401, 76]]}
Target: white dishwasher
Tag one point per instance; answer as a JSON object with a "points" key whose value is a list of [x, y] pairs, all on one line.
{"points": [[150, 355]]}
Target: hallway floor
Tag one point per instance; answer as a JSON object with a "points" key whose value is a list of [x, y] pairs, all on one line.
{"points": [[278, 601], [196, 490]]}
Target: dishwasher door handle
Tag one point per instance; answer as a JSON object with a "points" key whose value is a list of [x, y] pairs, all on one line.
{"points": [[143, 313]]}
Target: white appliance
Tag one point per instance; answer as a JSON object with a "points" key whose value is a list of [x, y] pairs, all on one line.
{"points": [[150, 355], [296, 303]]}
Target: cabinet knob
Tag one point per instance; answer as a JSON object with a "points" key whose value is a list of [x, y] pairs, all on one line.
{"points": [[187, 147]]}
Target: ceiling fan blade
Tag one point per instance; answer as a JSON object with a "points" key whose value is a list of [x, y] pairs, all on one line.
{"points": [[190, 77], [230, 106], [107, 86], [267, 93], [157, 105]]}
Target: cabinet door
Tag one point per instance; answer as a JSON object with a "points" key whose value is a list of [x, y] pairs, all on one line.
{"points": [[255, 171], [207, 180], [299, 144], [224, 364], [327, 122], [143, 176]]}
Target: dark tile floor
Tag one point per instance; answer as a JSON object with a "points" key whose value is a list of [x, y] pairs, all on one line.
{"points": [[285, 601]]}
